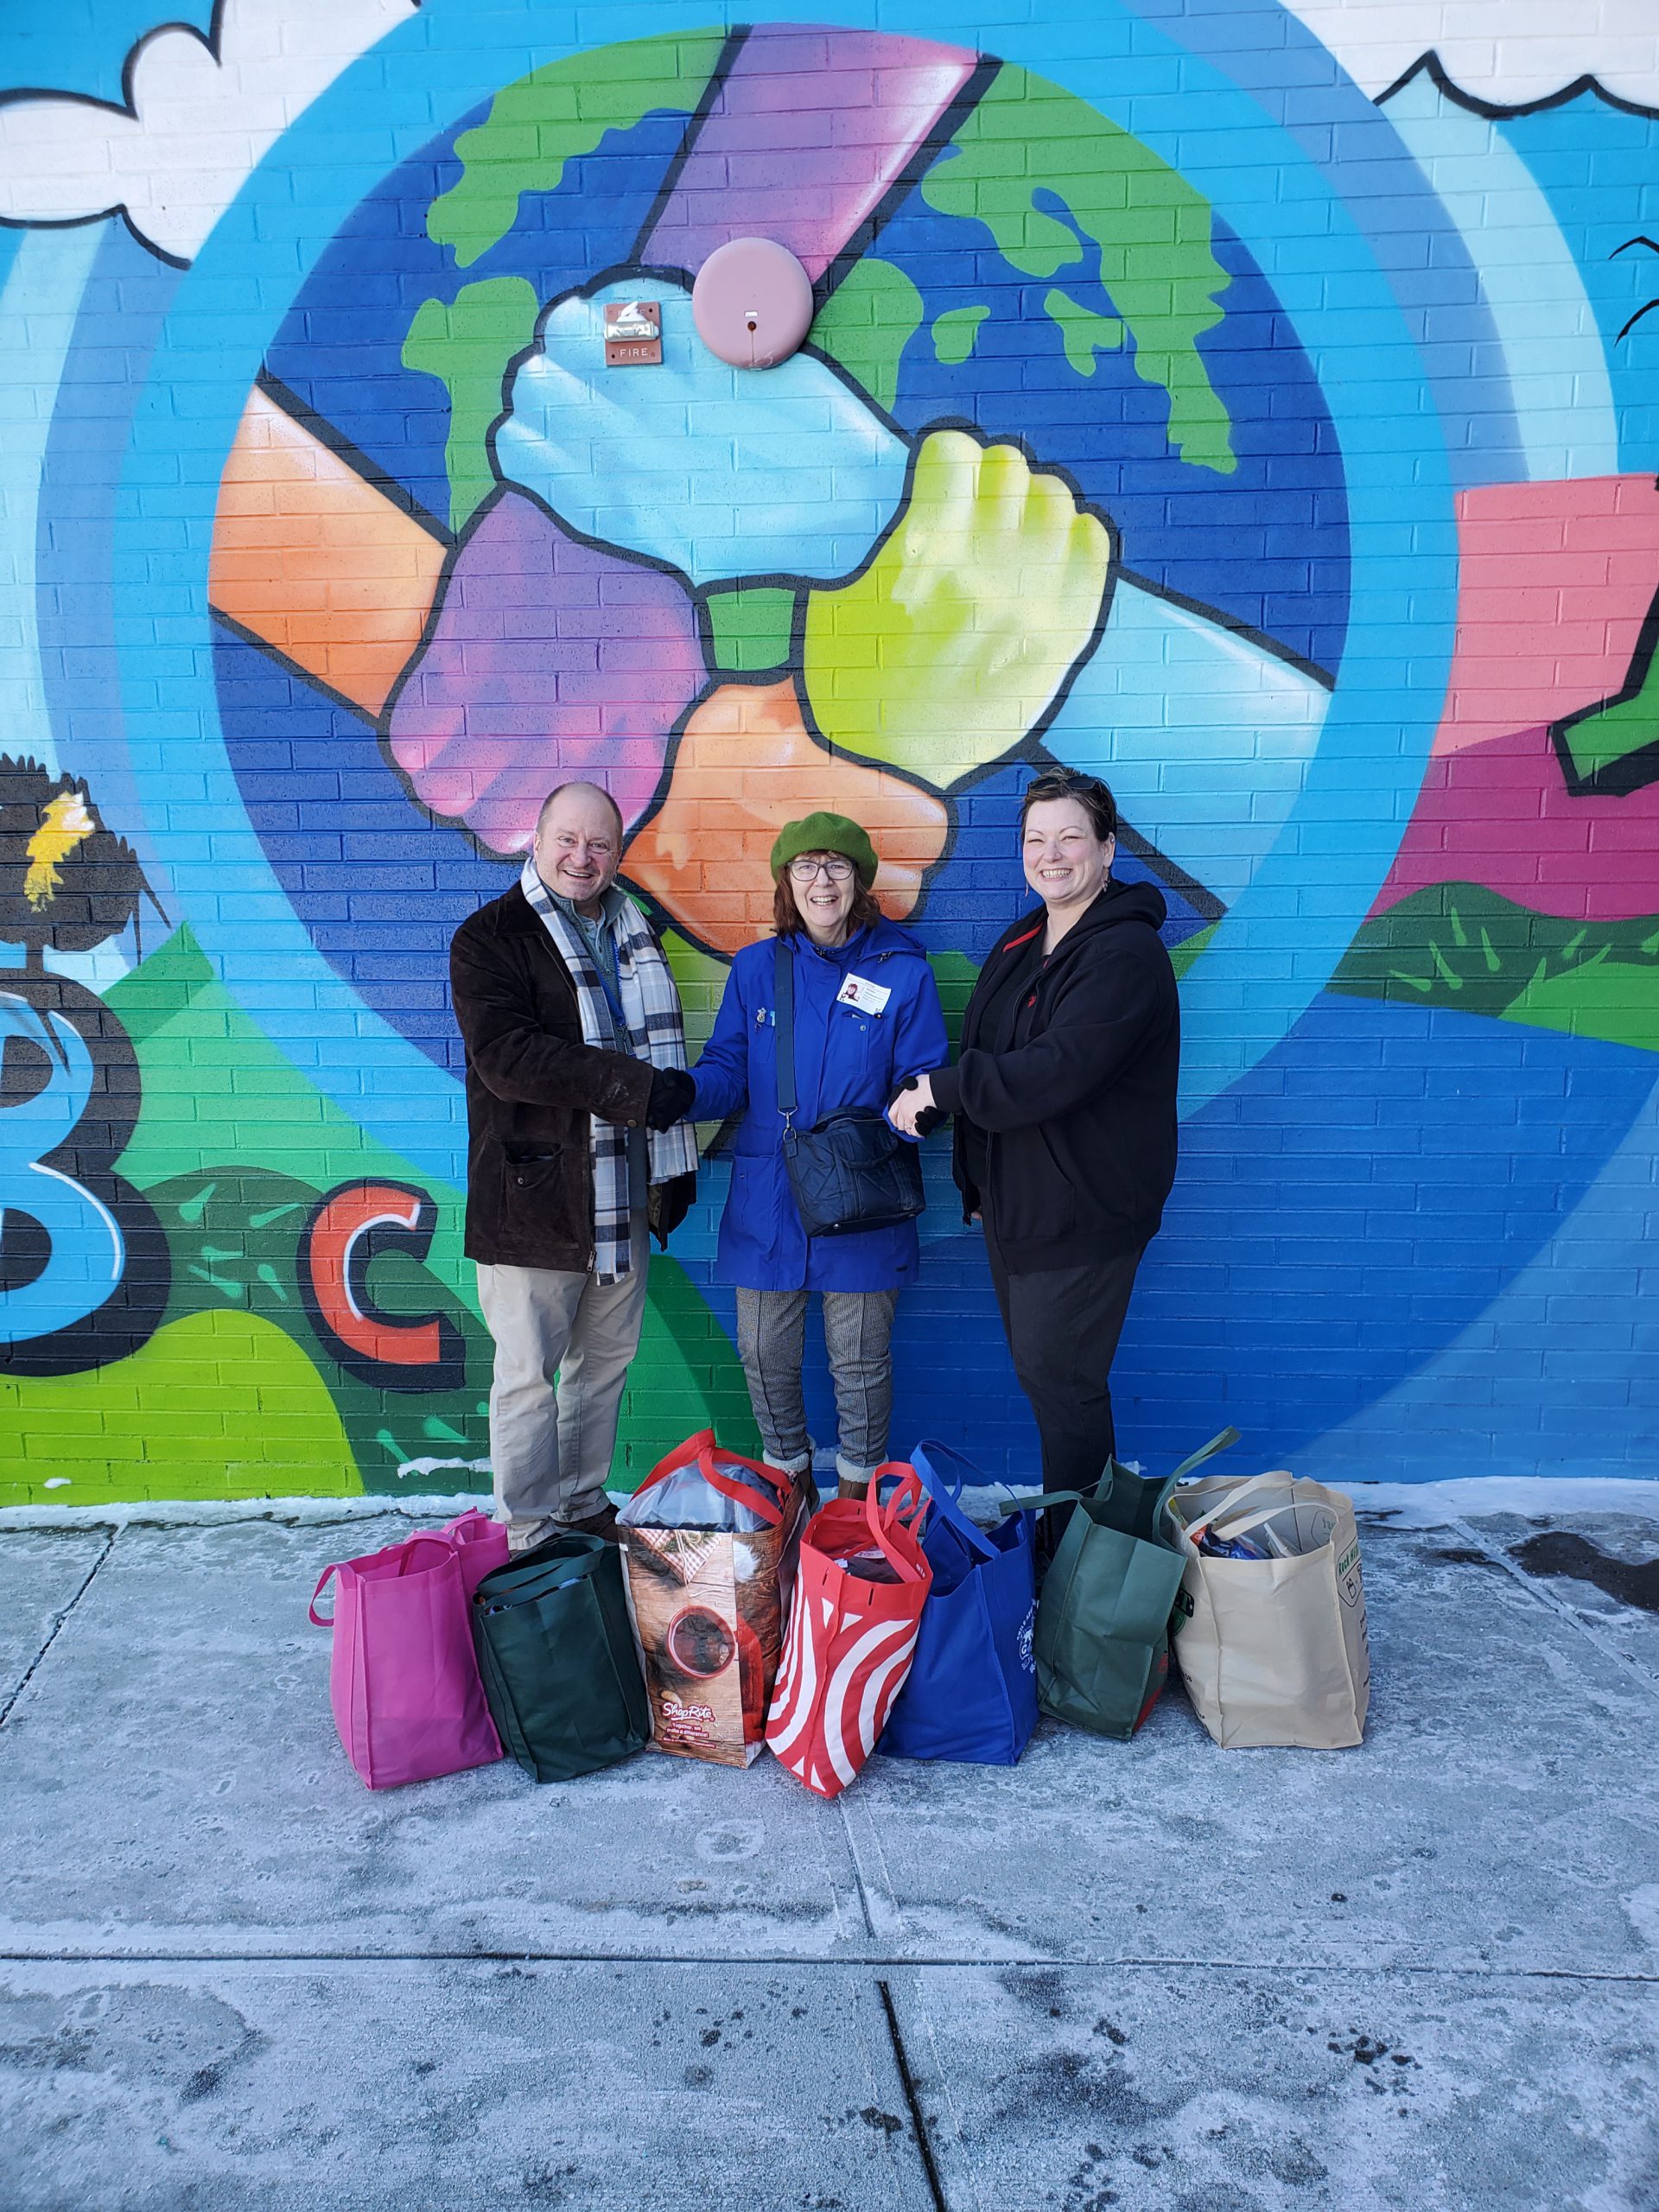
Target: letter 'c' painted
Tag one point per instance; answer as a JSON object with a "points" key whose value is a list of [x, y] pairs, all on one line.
{"points": [[350, 1229]]}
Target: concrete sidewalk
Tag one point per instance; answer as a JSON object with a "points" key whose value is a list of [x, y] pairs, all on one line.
{"points": [[1420, 1975]]}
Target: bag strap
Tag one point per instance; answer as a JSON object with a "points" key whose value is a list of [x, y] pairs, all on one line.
{"points": [[743, 1493], [783, 970], [469, 1528], [422, 1536], [906, 1508], [946, 1498], [1049, 1498], [1217, 1443], [681, 1456], [700, 1449], [323, 1620]]}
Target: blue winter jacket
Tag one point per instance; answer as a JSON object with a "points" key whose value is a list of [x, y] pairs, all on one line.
{"points": [[842, 1057]]}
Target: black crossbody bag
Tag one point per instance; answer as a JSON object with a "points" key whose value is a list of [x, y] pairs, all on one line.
{"points": [[853, 1171]]}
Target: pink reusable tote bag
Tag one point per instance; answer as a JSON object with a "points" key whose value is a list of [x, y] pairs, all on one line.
{"points": [[480, 1545], [404, 1684]]}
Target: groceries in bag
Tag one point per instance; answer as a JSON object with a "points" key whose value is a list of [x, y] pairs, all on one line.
{"points": [[971, 1691], [711, 1539], [403, 1681], [557, 1656], [1103, 1618], [1271, 1637], [851, 1636]]}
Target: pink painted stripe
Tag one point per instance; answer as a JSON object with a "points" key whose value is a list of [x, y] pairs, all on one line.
{"points": [[809, 131], [1554, 580], [1500, 813]]}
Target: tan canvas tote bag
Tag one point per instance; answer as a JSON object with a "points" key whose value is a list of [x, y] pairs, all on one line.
{"points": [[1273, 1650]]}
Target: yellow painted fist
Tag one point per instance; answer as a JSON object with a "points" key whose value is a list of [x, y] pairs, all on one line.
{"points": [[951, 645]]}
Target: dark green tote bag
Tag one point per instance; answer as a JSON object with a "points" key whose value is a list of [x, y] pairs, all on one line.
{"points": [[1103, 1619], [557, 1654]]}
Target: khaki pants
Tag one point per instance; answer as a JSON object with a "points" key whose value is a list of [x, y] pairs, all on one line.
{"points": [[563, 1343]]}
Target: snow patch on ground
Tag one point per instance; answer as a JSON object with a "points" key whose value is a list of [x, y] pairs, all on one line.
{"points": [[211, 1513], [1406, 1506]]}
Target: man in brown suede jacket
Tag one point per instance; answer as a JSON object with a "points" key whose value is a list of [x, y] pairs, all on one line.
{"points": [[575, 1093]]}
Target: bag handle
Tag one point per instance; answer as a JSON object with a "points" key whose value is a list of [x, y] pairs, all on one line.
{"points": [[1219, 1442], [422, 1536], [906, 1508], [323, 1620], [469, 1528], [1049, 1498], [946, 1499], [742, 1493], [783, 971], [681, 1456], [701, 1448]]}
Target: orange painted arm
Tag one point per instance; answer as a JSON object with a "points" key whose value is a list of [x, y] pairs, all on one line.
{"points": [[747, 764], [316, 562]]}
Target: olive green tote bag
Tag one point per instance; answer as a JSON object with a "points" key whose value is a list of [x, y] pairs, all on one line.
{"points": [[1103, 1619], [557, 1658]]}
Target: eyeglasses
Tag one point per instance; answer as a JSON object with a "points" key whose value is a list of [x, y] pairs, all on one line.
{"points": [[805, 869]]}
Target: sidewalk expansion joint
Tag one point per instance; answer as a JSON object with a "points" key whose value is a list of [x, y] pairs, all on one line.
{"points": [[58, 1620], [797, 1962], [1545, 1596], [912, 2102]]}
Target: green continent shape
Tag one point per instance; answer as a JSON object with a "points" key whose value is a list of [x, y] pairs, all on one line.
{"points": [[866, 324], [539, 123], [956, 333], [749, 628], [219, 1405], [1152, 229], [1460, 944], [1610, 734], [1084, 332], [467, 345]]}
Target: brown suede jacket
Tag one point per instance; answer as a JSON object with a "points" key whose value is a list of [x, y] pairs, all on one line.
{"points": [[531, 1084]]}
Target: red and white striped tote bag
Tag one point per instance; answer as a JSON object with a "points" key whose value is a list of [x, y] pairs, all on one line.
{"points": [[859, 1588]]}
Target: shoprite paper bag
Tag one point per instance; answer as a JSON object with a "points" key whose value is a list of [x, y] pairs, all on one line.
{"points": [[1274, 1651]]}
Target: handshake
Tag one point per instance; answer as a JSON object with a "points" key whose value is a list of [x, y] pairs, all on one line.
{"points": [[671, 1093], [911, 1111]]}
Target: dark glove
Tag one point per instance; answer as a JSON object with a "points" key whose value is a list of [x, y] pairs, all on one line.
{"points": [[671, 1093], [930, 1118]]}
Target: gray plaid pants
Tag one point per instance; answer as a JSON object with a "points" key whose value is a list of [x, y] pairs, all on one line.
{"points": [[858, 1339]]}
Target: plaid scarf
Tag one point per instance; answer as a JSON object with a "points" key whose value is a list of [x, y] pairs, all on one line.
{"points": [[650, 1011]]}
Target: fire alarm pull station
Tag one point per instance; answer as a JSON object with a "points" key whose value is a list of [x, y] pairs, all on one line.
{"points": [[633, 334], [751, 303]]}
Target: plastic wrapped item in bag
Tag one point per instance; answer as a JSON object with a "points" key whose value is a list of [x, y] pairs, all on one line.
{"points": [[686, 1498], [710, 1541], [1214, 1546]]}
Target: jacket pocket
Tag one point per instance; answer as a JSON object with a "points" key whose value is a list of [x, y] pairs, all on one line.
{"points": [[532, 1167]]}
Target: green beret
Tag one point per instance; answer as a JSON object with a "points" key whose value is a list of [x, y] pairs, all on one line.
{"points": [[826, 833]]}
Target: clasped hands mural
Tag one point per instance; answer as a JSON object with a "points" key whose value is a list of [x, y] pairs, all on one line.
{"points": [[1279, 446]]}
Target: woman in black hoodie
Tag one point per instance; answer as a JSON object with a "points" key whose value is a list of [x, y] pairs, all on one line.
{"points": [[1063, 1092]]}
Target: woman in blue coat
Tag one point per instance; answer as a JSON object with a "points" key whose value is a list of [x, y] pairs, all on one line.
{"points": [[866, 1018]]}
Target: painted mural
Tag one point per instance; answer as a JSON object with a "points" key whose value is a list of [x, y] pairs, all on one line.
{"points": [[1270, 427]]}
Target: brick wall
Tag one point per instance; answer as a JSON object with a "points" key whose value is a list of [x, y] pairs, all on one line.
{"points": [[1267, 425]]}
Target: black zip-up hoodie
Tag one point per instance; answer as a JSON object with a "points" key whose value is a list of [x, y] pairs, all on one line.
{"points": [[1075, 1097]]}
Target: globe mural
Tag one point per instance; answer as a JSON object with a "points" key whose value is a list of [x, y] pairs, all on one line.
{"points": [[1242, 482]]}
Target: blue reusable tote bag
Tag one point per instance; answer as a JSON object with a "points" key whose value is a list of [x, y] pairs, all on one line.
{"points": [[972, 1690]]}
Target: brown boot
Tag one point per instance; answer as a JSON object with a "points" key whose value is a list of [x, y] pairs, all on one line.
{"points": [[601, 1523], [848, 1488]]}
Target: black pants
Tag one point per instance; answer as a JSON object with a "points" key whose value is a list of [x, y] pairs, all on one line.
{"points": [[1062, 1325]]}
